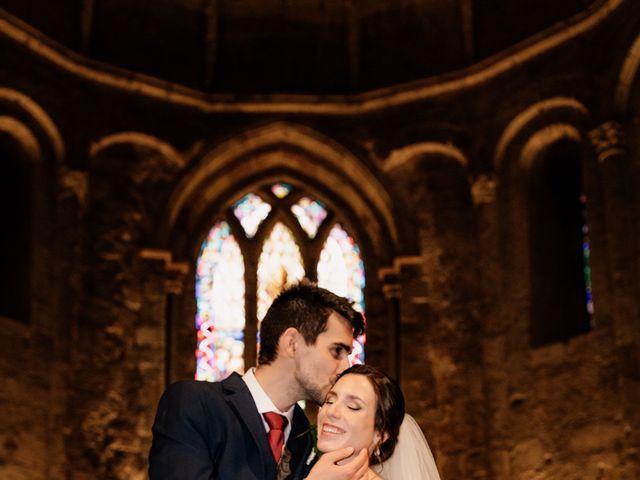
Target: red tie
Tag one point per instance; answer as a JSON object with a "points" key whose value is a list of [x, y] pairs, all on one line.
{"points": [[276, 423]]}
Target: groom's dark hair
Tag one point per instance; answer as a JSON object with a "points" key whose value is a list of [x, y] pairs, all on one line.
{"points": [[305, 307]]}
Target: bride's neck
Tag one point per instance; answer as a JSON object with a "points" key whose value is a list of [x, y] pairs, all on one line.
{"points": [[371, 475]]}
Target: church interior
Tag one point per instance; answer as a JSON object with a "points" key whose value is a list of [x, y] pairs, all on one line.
{"points": [[467, 172]]}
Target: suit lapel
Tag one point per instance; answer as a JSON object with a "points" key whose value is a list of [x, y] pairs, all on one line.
{"points": [[241, 401], [299, 443]]}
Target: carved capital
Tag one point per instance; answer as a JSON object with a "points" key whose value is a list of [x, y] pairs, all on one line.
{"points": [[484, 189], [608, 140], [173, 273]]}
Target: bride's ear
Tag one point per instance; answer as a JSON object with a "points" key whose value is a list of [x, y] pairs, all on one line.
{"points": [[379, 438]]}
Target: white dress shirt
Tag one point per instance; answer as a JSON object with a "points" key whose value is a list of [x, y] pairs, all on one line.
{"points": [[264, 403]]}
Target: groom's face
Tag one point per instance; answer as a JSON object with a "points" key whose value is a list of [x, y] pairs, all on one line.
{"points": [[318, 365]]}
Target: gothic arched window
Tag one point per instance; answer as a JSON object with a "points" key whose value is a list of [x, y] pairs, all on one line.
{"points": [[269, 238], [16, 189], [562, 304]]}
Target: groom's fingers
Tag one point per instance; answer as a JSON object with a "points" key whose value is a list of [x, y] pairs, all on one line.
{"points": [[361, 463], [327, 468], [338, 455]]}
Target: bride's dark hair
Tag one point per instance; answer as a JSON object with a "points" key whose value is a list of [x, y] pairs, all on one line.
{"points": [[389, 408]]}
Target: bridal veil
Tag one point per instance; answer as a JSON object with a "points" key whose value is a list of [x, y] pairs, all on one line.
{"points": [[412, 457]]}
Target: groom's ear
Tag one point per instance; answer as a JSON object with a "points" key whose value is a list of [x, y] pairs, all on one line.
{"points": [[288, 342]]}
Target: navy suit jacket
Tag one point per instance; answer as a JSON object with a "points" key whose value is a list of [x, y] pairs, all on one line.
{"points": [[207, 431]]}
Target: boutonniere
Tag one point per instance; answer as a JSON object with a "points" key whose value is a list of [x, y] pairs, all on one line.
{"points": [[284, 468], [312, 455]]}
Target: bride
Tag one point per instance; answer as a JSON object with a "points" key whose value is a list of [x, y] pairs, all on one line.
{"points": [[365, 409]]}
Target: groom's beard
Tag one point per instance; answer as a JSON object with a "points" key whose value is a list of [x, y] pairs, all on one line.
{"points": [[311, 389]]}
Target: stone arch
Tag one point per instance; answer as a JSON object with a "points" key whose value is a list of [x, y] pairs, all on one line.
{"points": [[20, 158], [627, 77], [23, 137], [32, 149], [307, 159], [554, 131], [290, 151], [144, 168], [555, 110], [140, 139], [440, 294], [415, 166], [34, 117], [550, 132], [403, 155]]}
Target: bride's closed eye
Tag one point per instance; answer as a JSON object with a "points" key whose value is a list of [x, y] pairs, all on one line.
{"points": [[329, 399]]}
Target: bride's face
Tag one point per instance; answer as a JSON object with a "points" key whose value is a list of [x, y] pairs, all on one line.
{"points": [[346, 419]]}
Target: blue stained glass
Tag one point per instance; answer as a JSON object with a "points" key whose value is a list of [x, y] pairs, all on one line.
{"points": [[220, 316], [586, 257]]}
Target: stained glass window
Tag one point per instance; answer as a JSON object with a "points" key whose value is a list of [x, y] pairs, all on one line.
{"points": [[281, 190], [221, 280], [280, 264], [251, 210], [341, 270], [310, 213], [586, 257], [220, 316]]}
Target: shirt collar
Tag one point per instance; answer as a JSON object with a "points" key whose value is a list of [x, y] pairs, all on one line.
{"points": [[262, 400]]}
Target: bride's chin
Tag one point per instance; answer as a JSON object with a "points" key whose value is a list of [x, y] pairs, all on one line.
{"points": [[350, 457]]}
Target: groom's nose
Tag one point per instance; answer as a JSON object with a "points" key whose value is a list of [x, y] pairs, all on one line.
{"points": [[344, 364]]}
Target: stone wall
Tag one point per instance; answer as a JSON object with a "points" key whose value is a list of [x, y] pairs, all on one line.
{"points": [[431, 177]]}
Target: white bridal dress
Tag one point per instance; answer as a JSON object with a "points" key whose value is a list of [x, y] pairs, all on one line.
{"points": [[412, 458]]}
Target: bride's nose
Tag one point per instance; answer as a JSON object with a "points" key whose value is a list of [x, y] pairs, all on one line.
{"points": [[333, 410]]}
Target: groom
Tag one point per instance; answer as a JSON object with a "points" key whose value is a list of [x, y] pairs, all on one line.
{"points": [[250, 427]]}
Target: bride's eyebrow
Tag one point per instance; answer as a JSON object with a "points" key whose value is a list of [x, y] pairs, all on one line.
{"points": [[354, 397]]}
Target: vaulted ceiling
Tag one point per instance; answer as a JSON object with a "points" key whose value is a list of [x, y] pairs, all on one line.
{"points": [[292, 46]]}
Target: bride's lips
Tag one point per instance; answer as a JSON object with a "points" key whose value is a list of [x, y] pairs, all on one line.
{"points": [[329, 429]]}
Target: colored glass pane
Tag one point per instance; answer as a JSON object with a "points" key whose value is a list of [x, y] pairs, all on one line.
{"points": [[220, 316], [310, 213], [341, 270], [586, 257], [250, 211], [281, 190], [280, 264]]}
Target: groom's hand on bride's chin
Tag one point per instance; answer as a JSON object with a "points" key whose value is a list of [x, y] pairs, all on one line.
{"points": [[327, 469]]}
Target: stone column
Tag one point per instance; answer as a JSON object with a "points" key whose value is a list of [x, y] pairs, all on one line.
{"points": [[621, 233], [494, 332], [613, 164], [160, 277], [391, 291]]}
